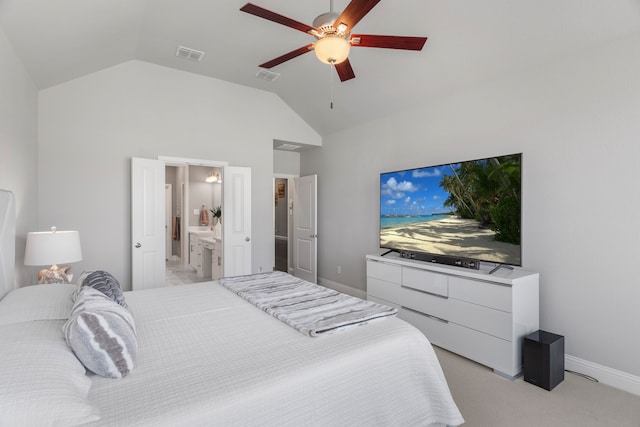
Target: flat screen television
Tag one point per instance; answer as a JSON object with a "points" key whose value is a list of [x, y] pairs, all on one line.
{"points": [[469, 210]]}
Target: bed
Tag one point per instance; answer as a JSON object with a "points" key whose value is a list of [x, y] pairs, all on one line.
{"points": [[207, 357]]}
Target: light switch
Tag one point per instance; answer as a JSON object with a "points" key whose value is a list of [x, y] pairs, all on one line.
{"points": [[196, 211]]}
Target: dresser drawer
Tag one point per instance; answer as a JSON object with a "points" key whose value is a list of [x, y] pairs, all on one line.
{"points": [[425, 281], [383, 271], [426, 303], [380, 289], [485, 349], [485, 294], [482, 348], [487, 320], [436, 330]]}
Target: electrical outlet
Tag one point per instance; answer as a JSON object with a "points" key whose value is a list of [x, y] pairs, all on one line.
{"points": [[339, 269], [196, 211]]}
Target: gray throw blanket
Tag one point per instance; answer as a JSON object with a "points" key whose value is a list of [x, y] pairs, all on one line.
{"points": [[309, 308]]}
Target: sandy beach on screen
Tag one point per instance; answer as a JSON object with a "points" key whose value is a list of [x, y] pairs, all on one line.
{"points": [[448, 236]]}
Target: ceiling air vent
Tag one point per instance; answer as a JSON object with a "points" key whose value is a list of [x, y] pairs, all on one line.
{"points": [[288, 147], [188, 53], [266, 75]]}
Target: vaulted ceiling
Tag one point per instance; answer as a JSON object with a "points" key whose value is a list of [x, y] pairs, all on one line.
{"points": [[468, 41]]}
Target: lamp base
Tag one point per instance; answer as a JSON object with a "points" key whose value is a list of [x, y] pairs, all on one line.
{"points": [[55, 274]]}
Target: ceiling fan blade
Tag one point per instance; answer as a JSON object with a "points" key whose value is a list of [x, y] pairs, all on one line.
{"points": [[345, 72], [287, 56], [272, 16], [388, 42], [354, 12]]}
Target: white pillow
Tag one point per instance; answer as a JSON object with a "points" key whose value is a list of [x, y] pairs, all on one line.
{"points": [[37, 302], [102, 334], [41, 382]]}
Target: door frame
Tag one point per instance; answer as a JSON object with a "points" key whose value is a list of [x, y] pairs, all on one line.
{"points": [[186, 162], [237, 181], [289, 178]]}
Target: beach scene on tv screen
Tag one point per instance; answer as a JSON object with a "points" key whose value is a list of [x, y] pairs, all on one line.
{"points": [[468, 209]]}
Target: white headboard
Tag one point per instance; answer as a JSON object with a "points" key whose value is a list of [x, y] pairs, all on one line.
{"points": [[7, 241]]}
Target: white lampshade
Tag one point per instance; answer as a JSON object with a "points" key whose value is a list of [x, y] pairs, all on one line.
{"points": [[52, 247], [332, 49]]}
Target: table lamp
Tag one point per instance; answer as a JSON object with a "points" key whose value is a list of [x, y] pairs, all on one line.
{"points": [[52, 248]]}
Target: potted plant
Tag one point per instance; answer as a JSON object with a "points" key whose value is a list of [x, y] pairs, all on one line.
{"points": [[217, 214]]}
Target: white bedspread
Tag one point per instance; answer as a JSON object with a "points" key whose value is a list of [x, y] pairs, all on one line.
{"points": [[208, 358]]}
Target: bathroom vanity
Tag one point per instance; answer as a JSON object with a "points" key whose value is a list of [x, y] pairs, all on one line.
{"points": [[205, 253]]}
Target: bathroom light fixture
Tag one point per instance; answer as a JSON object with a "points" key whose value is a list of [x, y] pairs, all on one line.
{"points": [[52, 248], [213, 177]]}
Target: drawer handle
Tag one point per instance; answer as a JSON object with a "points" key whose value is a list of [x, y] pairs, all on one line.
{"points": [[425, 292], [425, 314]]}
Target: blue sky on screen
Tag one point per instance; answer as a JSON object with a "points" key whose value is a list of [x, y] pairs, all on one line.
{"points": [[414, 191]]}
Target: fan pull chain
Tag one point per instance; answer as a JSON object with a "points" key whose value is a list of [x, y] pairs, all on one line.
{"points": [[332, 67]]}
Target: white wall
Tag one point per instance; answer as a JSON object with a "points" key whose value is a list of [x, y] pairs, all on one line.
{"points": [[89, 128], [286, 162], [578, 124], [19, 149]]}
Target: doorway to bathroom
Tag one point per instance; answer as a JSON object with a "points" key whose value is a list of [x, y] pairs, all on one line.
{"points": [[196, 193], [148, 220]]}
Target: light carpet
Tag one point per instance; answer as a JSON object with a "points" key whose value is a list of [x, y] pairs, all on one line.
{"points": [[489, 400]]}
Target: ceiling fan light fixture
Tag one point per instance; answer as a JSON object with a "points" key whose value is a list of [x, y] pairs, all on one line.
{"points": [[332, 49]]}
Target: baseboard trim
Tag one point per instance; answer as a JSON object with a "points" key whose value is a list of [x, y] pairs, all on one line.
{"points": [[605, 375], [342, 288]]}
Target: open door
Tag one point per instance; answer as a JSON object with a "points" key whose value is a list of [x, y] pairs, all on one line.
{"points": [[147, 224], [305, 231], [236, 221], [148, 221]]}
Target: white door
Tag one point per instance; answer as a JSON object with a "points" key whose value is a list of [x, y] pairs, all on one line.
{"points": [[147, 224], [236, 221], [305, 231]]}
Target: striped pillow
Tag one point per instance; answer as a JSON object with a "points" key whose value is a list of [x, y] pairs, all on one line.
{"points": [[104, 282], [102, 334]]}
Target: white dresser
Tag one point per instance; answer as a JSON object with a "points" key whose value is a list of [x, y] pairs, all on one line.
{"points": [[480, 316]]}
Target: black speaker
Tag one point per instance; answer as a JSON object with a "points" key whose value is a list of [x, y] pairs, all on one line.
{"points": [[543, 359]]}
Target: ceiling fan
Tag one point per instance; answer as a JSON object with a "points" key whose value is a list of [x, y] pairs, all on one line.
{"points": [[333, 32]]}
